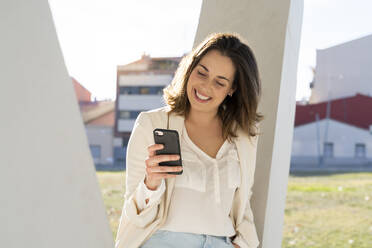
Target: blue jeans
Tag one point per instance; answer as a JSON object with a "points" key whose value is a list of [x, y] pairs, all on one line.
{"points": [[169, 239]]}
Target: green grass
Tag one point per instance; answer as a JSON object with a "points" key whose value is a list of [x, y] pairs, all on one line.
{"points": [[329, 211], [112, 188], [322, 211]]}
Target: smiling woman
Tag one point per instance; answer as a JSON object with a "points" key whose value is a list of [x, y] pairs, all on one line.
{"points": [[205, 86], [212, 104], [221, 65]]}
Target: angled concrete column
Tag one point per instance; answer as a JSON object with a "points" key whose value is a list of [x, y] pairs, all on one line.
{"points": [[49, 192], [272, 29]]}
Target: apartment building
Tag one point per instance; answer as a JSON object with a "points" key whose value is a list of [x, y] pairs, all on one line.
{"points": [[140, 87]]}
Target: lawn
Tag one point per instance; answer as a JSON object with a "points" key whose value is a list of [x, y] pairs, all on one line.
{"points": [[322, 211]]}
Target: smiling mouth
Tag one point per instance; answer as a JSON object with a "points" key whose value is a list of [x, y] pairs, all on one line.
{"points": [[200, 97]]}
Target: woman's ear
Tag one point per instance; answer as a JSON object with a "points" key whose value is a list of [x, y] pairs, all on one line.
{"points": [[232, 90]]}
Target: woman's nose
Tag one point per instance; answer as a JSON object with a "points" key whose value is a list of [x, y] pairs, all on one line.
{"points": [[205, 87], [207, 83]]}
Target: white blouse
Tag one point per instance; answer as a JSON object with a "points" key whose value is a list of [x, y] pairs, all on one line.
{"points": [[203, 193]]}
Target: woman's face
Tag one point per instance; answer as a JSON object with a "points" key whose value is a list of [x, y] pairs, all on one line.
{"points": [[210, 82]]}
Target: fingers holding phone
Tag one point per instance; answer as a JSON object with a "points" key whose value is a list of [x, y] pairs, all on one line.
{"points": [[154, 172], [170, 139]]}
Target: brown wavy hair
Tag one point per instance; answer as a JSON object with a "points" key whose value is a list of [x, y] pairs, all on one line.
{"points": [[240, 110]]}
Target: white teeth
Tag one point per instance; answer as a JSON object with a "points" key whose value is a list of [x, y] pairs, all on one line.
{"points": [[202, 97]]}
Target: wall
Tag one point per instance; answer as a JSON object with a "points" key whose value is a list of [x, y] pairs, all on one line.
{"points": [[50, 196]]}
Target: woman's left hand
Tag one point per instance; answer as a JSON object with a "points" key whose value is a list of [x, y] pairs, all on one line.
{"points": [[236, 246]]}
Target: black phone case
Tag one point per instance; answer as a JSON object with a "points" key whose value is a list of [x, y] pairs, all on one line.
{"points": [[170, 140]]}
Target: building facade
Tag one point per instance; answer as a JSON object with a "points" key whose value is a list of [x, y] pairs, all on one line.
{"points": [[334, 129], [99, 118], [333, 134], [343, 70], [140, 87]]}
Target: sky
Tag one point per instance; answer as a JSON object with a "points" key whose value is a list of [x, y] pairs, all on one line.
{"points": [[97, 36]]}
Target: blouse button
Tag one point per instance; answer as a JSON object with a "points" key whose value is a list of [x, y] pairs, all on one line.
{"points": [[216, 182]]}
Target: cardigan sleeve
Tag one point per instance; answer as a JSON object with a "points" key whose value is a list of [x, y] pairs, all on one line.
{"points": [[141, 137], [246, 231], [246, 236], [153, 195]]}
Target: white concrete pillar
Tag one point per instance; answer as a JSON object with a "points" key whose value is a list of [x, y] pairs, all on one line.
{"points": [[49, 192], [273, 30]]}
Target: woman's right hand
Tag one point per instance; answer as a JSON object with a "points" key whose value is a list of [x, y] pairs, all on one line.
{"points": [[154, 172]]}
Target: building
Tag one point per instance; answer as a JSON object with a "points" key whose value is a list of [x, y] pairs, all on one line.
{"points": [[82, 94], [343, 70], [334, 129], [99, 118], [333, 134], [139, 88]]}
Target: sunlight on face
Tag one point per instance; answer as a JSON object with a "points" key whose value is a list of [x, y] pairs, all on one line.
{"points": [[210, 82]]}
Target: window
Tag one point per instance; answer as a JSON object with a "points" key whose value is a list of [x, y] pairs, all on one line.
{"points": [[129, 115], [134, 114], [360, 150], [160, 91], [123, 91], [134, 90], [125, 141], [124, 115], [328, 149], [119, 154], [144, 90], [141, 90], [96, 151], [129, 90]]}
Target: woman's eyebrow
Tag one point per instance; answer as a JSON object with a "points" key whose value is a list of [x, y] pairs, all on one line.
{"points": [[205, 68]]}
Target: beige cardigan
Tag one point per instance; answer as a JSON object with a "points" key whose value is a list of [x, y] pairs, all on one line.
{"points": [[136, 228]]}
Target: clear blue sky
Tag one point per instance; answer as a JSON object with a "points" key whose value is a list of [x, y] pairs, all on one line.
{"points": [[96, 36]]}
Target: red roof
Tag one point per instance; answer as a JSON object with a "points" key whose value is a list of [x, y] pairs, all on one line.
{"points": [[98, 113], [107, 119], [82, 94], [87, 106], [355, 110]]}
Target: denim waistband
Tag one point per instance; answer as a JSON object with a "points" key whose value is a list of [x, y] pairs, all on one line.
{"points": [[226, 238]]}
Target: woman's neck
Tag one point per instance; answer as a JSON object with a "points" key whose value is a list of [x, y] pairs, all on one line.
{"points": [[202, 119]]}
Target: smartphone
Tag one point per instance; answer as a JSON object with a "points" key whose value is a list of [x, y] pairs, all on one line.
{"points": [[170, 139]]}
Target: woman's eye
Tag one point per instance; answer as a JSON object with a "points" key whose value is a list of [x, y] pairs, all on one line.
{"points": [[218, 83]]}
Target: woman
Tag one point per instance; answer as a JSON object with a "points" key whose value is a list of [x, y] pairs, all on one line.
{"points": [[212, 103]]}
